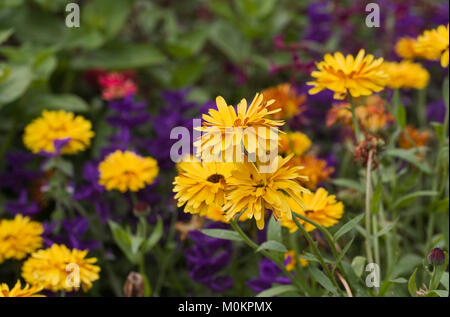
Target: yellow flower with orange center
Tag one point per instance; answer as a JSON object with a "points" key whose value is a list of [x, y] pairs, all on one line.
{"points": [[125, 170], [287, 99], [18, 291], [41, 134], [19, 237], [58, 268], [358, 76], [406, 74], [253, 192], [433, 44], [319, 207]]}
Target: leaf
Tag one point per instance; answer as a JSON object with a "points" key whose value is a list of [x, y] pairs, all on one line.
{"points": [[15, 85], [230, 41], [66, 102], [412, 288], [120, 57], [410, 157], [188, 73], [5, 34], [122, 240], [222, 234], [405, 264], [358, 265], [136, 244], [156, 235], [437, 293], [342, 254], [323, 280], [399, 280], [444, 280], [277, 290], [400, 116], [272, 245], [187, 45], [348, 183], [407, 199], [347, 227], [274, 230], [386, 228]]}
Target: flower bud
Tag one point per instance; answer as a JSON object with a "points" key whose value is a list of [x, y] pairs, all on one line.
{"points": [[134, 285], [141, 209], [436, 257]]}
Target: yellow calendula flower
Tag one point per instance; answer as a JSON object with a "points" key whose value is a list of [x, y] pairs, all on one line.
{"points": [[254, 192], [18, 291], [58, 268], [202, 186], [19, 237], [360, 76], [125, 170], [433, 44], [294, 142], [406, 48], [41, 134], [225, 130], [406, 74], [287, 99], [320, 207]]}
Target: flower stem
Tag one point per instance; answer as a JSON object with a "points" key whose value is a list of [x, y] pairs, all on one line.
{"points": [[367, 209], [358, 134]]}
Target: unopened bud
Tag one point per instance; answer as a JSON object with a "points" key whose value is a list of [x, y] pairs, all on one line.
{"points": [[134, 285], [141, 209], [436, 257]]}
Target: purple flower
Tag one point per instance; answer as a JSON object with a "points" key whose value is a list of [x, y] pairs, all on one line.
{"points": [[207, 258], [128, 113], [436, 111], [319, 28], [71, 236], [58, 144], [269, 273], [18, 177], [22, 206]]}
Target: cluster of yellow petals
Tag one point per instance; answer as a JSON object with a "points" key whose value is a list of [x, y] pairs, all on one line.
{"points": [[127, 171], [42, 132], [358, 76], [433, 44], [18, 291], [19, 237], [291, 260], [58, 268], [314, 170], [294, 142], [406, 74], [320, 207]]}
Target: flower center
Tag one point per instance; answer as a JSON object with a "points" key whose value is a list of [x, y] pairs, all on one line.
{"points": [[215, 178]]}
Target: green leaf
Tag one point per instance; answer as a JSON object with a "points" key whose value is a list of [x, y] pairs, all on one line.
{"points": [[358, 265], [409, 156], [187, 45], [15, 85], [272, 245], [136, 244], [387, 228], [229, 41], [412, 288], [342, 254], [122, 240], [347, 227], [5, 34], [187, 73], [120, 57], [399, 280], [437, 293], [323, 280], [348, 183], [409, 198], [155, 236], [277, 290], [405, 265], [274, 230], [400, 115], [222, 234], [445, 280], [57, 102]]}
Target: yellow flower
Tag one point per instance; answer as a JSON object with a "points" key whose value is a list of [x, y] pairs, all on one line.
{"points": [[201, 186], [406, 48], [360, 76], [18, 291], [320, 208], [58, 268], [286, 98], [290, 260], [224, 130], [56, 125], [433, 44], [406, 75], [315, 170], [252, 192], [127, 171], [294, 142], [19, 237]]}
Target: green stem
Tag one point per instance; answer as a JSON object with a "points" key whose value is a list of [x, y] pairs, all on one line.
{"points": [[143, 272], [255, 246], [367, 209], [358, 134]]}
